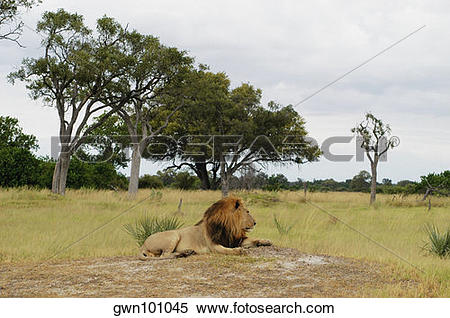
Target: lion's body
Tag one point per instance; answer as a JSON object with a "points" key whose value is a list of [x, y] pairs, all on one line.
{"points": [[222, 229], [164, 244]]}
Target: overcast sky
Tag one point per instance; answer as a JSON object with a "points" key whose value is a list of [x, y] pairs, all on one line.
{"points": [[290, 49]]}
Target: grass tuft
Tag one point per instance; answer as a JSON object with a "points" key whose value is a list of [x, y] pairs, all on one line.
{"points": [[439, 244], [283, 229], [146, 226]]}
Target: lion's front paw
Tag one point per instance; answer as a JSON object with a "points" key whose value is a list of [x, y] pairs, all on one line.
{"points": [[264, 243], [239, 251]]}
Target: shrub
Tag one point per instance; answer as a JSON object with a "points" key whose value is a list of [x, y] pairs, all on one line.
{"points": [[439, 244], [276, 183], [150, 182], [18, 167], [100, 175], [185, 181], [146, 226]]}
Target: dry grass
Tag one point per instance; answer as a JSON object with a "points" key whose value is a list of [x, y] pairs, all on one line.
{"points": [[34, 225]]}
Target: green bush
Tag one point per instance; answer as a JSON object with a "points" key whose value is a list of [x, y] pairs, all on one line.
{"points": [[185, 181], [18, 167], [146, 226], [439, 244], [150, 182], [101, 175], [276, 183]]}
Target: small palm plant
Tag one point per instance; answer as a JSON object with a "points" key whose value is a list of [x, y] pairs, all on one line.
{"points": [[146, 226], [283, 229], [439, 244]]}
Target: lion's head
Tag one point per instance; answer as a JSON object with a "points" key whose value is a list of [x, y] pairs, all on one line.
{"points": [[228, 221]]}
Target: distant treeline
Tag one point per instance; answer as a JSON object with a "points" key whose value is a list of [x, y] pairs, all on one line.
{"points": [[19, 166], [437, 183]]}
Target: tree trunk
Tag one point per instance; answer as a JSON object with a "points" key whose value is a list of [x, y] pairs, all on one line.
{"points": [[133, 184], [60, 174], [224, 179], [373, 184], [202, 174], [56, 176]]}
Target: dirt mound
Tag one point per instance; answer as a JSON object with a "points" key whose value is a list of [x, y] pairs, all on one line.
{"points": [[264, 272]]}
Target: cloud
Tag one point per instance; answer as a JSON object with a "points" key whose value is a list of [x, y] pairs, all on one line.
{"points": [[291, 49]]}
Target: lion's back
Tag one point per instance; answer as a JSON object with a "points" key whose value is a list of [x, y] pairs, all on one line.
{"points": [[192, 237]]}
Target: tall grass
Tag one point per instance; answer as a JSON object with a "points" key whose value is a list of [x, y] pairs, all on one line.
{"points": [[36, 224]]}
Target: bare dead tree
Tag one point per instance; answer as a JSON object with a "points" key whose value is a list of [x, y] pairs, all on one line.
{"points": [[373, 135], [432, 190]]}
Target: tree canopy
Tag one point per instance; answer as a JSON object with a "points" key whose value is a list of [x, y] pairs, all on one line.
{"points": [[12, 135], [223, 130], [83, 74], [11, 26]]}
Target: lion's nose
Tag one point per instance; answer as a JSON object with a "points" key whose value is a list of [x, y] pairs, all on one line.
{"points": [[254, 224]]}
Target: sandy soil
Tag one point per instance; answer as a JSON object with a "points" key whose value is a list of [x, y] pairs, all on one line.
{"points": [[264, 272]]}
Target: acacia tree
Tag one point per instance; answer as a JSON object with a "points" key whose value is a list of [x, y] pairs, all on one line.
{"points": [[233, 130], [10, 24], [208, 93], [161, 69], [373, 136], [75, 75]]}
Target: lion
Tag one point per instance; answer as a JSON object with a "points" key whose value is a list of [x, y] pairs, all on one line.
{"points": [[223, 230]]}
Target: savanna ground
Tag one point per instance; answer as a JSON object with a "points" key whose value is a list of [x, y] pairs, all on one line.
{"points": [[318, 257]]}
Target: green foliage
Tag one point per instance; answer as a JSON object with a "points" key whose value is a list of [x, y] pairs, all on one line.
{"points": [[107, 142], [439, 244], [167, 176], [10, 18], [361, 182], [156, 196], [404, 183], [11, 135], [146, 226], [100, 175], [82, 174], [18, 167], [276, 183], [84, 73], [213, 108], [46, 168], [438, 183], [371, 131], [283, 229], [185, 181], [150, 182]]}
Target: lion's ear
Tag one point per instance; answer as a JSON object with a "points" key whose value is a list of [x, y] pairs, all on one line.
{"points": [[237, 204]]}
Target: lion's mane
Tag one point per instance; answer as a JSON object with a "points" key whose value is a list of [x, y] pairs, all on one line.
{"points": [[223, 222]]}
